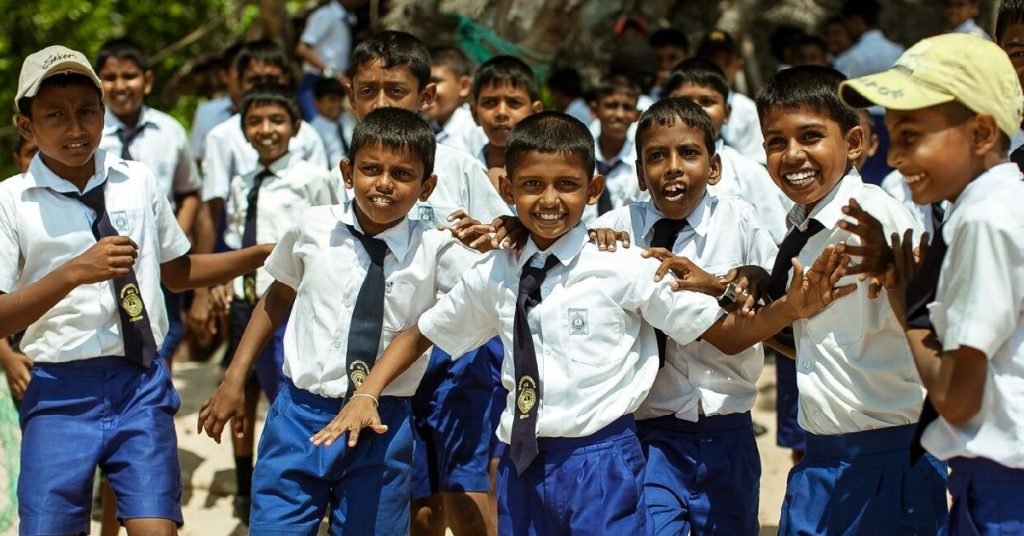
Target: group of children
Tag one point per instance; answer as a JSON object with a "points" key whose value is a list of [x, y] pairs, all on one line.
{"points": [[418, 312]]}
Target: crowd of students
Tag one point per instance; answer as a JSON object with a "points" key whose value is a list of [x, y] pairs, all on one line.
{"points": [[471, 314]]}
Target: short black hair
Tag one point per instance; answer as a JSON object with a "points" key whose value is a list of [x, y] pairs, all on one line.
{"points": [[501, 70], [264, 94], [666, 112], [566, 80], [699, 72], [453, 58], [551, 133], [122, 48], [669, 37], [714, 41], [230, 53], [1010, 12], [811, 86], [812, 40], [59, 80], [328, 85], [393, 49], [263, 51], [865, 9], [396, 129], [616, 83], [782, 38]]}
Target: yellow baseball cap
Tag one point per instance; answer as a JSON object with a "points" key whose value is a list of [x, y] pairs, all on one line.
{"points": [[951, 67], [50, 61]]}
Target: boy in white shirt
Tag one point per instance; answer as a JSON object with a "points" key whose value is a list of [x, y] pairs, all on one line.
{"points": [[952, 103], [324, 48], [451, 118], [614, 106], [960, 15], [353, 275], [332, 121]]}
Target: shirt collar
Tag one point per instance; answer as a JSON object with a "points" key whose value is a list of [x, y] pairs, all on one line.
{"points": [[398, 238], [698, 219], [112, 123], [966, 26], [829, 209], [43, 177], [566, 248], [280, 166], [623, 156], [991, 182]]}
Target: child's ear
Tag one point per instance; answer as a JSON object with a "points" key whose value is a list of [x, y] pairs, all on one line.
{"points": [[594, 189], [984, 134], [25, 127], [346, 173], [855, 145], [641, 178], [537, 106], [505, 189], [147, 79], [465, 86], [715, 163], [427, 95], [427, 187]]}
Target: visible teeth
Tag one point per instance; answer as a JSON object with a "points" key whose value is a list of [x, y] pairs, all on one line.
{"points": [[673, 188], [76, 145], [267, 142], [800, 177], [911, 179], [549, 217]]}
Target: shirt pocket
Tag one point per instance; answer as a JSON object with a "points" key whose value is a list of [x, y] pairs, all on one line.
{"points": [[131, 223], [841, 324], [593, 335], [398, 306]]}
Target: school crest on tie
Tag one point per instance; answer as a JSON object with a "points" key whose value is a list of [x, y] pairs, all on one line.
{"points": [[578, 324], [527, 395], [357, 372], [249, 287], [119, 219], [131, 301]]}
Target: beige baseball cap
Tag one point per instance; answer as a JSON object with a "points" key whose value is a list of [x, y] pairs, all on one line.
{"points": [[951, 67], [50, 61]]}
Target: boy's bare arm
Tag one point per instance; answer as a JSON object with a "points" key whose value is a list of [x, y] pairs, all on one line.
{"points": [[228, 400], [17, 367], [361, 410], [955, 380], [188, 209], [110, 257], [205, 269]]}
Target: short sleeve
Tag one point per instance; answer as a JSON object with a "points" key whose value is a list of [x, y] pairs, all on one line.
{"points": [[186, 176], [10, 251], [460, 322], [453, 260], [980, 295], [312, 146], [284, 263], [682, 315], [173, 242], [760, 247], [216, 167], [317, 27]]}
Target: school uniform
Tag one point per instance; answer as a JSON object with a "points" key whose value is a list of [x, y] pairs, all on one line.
{"points": [[969, 26], [229, 154], [872, 53], [328, 32], [109, 410], [621, 186], [743, 130], [573, 463], [286, 187], [579, 109], [742, 177], [323, 258], [860, 395], [703, 467], [208, 114], [336, 136], [978, 305], [461, 132]]}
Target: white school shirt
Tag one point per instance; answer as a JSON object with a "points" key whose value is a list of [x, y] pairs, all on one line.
{"points": [[329, 33], [462, 184], [336, 147], [621, 182], [40, 230], [228, 154], [979, 303], [722, 233], [596, 355], [295, 186], [326, 265], [970, 27], [872, 53], [578, 108], [462, 133], [742, 177], [895, 185], [162, 145], [853, 364], [208, 115], [743, 130]]}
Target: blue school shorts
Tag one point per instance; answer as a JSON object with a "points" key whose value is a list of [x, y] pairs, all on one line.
{"points": [[363, 490], [106, 412], [461, 403], [788, 433], [267, 369], [988, 498], [702, 477], [863, 483], [577, 485]]}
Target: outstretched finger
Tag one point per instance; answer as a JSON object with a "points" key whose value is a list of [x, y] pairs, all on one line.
{"points": [[238, 425], [798, 272], [624, 238], [666, 265], [656, 253]]}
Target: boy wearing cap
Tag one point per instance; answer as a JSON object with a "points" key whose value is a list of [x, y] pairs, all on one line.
{"points": [[85, 239], [952, 103]]}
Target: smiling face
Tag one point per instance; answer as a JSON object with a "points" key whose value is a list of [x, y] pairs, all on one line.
{"points": [[710, 100], [807, 152], [499, 107], [125, 85], [931, 152], [616, 111], [676, 169], [550, 191], [373, 87], [386, 184], [269, 128], [66, 125]]}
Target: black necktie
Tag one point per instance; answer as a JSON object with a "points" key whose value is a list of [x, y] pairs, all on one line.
{"points": [[523, 448], [604, 203], [368, 314], [249, 232], [665, 233], [136, 332], [127, 136], [790, 247], [920, 292], [1017, 157], [938, 214]]}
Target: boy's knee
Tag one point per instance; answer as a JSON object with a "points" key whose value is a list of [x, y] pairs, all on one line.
{"points": [[150, 527]]}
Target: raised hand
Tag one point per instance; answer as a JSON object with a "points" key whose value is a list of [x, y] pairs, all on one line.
{"points": [[689, 276], [906, 262], [471, 232], [509, 232], [875, 255], [816, 289], [751, 283], [109, 257]]}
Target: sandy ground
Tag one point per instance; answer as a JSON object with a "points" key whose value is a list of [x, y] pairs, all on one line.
{"points": [[208, 468]]}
